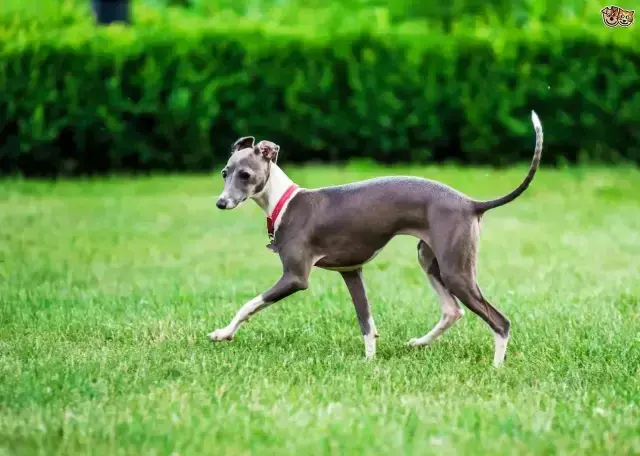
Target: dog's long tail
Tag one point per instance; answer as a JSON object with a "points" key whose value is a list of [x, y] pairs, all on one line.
{"points": [[483, 206]]}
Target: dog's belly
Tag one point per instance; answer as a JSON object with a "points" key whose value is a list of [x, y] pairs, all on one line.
{"points": [[347, 259]]}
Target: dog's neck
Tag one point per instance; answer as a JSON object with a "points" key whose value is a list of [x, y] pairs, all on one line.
{"points": [[276, 186]]}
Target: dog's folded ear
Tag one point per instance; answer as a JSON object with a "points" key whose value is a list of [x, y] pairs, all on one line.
{"points": [[269, 150], [245, 142]]}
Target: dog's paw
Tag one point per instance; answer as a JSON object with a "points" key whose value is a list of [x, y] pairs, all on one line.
{"points": [[220, 335], [415, 342]]}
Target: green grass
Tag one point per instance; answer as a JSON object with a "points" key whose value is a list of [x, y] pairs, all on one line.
{"points": [[108, 289]]}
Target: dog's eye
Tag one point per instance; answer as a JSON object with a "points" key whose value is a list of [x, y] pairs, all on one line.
{"points": [[244, 175], [224, 173]]}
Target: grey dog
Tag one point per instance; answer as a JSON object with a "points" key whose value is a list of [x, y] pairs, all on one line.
{"points": [[341, 228]]}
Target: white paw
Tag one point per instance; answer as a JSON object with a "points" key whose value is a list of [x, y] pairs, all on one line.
{"points": [[369, 346], [220, 335], [416, 342], [500, 350]]}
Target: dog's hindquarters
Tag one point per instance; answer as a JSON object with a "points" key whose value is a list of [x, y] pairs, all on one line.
{"points": [[456, 254]]}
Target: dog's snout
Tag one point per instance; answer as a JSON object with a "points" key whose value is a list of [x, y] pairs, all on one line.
{"points": [[221, 203]]}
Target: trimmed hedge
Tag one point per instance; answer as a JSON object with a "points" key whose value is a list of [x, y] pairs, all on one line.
{"points": [[445, 13], [173, 93]]}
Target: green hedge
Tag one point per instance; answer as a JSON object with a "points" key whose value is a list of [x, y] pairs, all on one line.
{"points": [[437, 11], [173, 93]]}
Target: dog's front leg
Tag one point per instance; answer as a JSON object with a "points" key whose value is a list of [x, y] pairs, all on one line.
{"points": [[355, 284], [289, 283]]}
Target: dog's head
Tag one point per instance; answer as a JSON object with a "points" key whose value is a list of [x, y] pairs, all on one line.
{"points": [[247, 171]]}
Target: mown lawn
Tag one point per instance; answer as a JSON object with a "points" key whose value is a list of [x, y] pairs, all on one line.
{"points": [[108, 289]]}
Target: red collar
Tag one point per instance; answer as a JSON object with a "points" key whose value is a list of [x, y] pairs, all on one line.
{"points": [[271, 219]]}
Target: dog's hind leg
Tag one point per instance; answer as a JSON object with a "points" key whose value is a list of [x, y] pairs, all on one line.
{"points": [[451, 310], [457, 261], [467, 290], [355, 284]]}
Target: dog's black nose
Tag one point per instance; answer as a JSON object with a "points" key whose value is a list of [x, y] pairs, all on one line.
{"points": [[221, 203]]}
